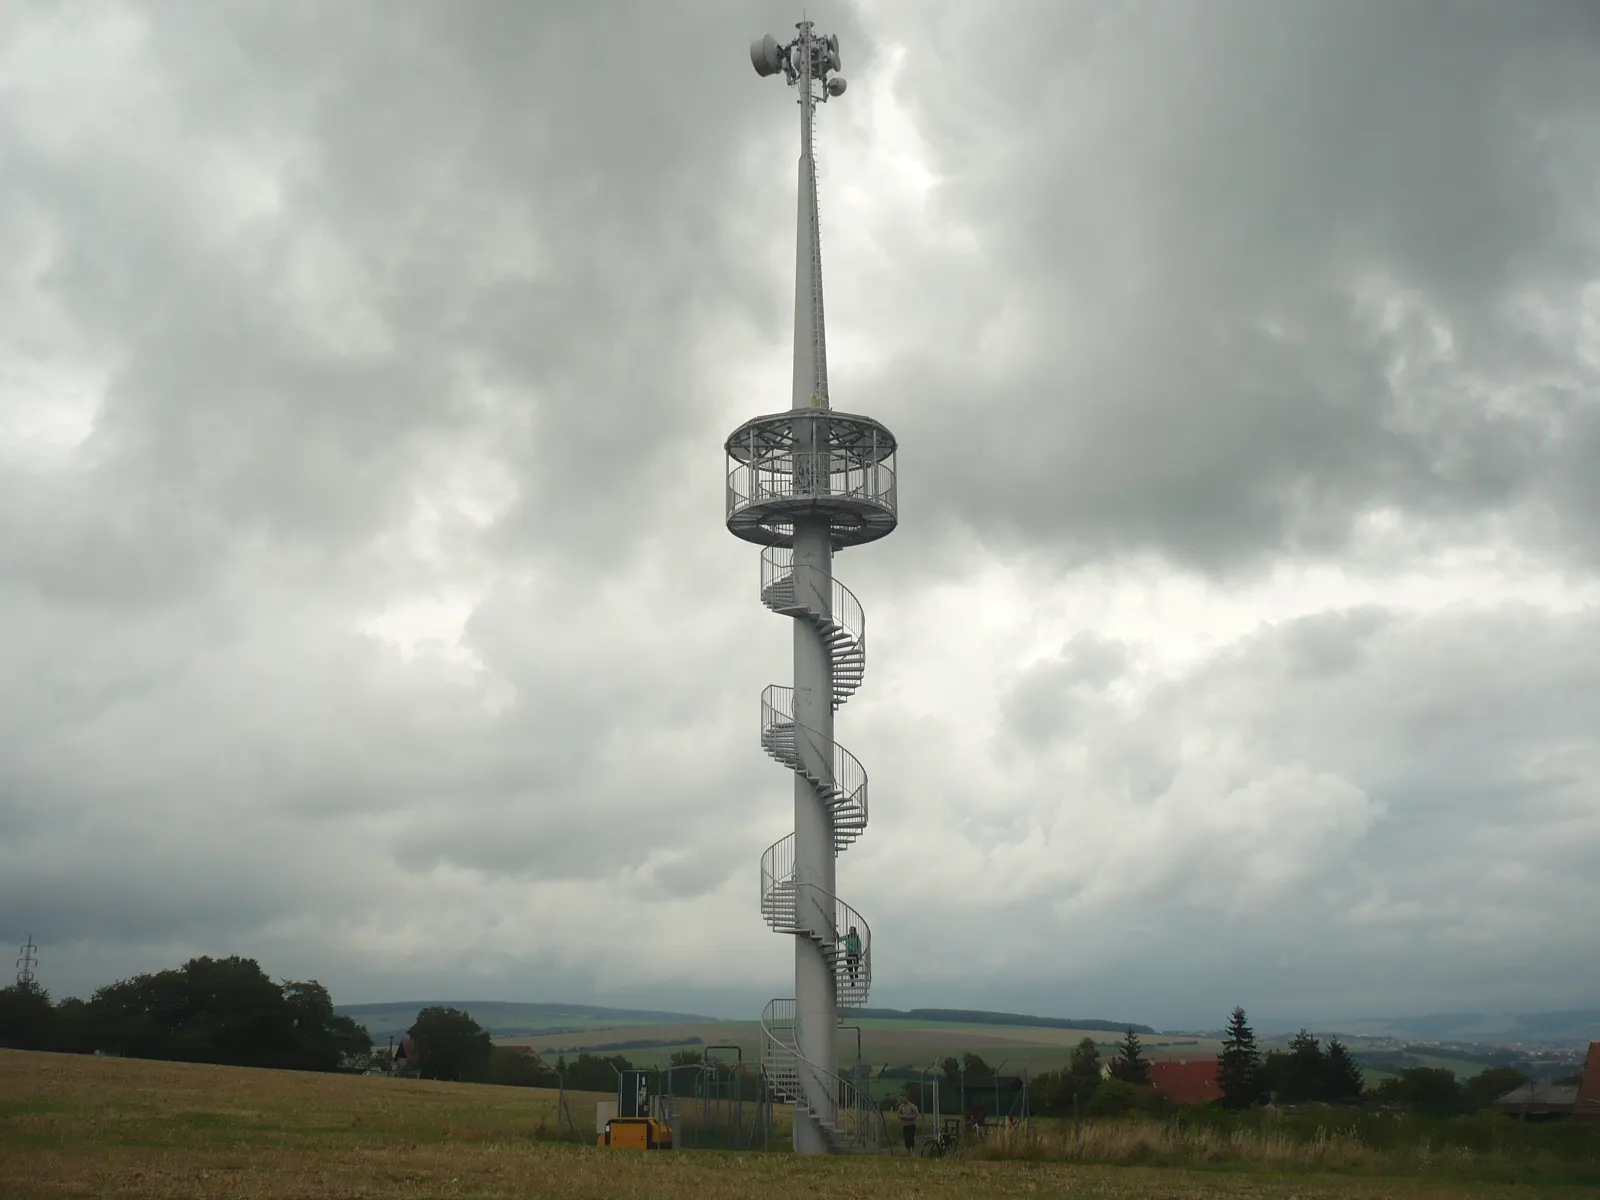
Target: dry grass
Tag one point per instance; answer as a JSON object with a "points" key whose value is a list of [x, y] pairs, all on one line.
{"points": [[1134, 1141], [1455, 1151], [78, 1126]]}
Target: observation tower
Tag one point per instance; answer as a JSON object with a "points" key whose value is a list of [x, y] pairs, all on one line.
{"points": [[803, 484]]}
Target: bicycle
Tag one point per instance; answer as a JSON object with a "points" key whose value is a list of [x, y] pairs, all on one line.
{"points": [[937, 1145]]}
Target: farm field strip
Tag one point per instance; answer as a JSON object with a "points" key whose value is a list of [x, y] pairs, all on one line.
{"points": [[882, 1041], [731, 1031], [84, 1126]]}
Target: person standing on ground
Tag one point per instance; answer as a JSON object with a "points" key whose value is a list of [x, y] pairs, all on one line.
{"points": [[909, 1116]]}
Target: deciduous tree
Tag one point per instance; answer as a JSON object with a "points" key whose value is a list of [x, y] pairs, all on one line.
{"points": [[1082, 1075], [1430, 1090], [27, 1020], [217, 1010], [450, 1044], [323, 1039], [1488, 1085], [512, 1067], [1115, 1097]]}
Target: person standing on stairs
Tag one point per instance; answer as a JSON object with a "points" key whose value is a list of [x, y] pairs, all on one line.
{"points": [[909, 1116], [852, 952]]}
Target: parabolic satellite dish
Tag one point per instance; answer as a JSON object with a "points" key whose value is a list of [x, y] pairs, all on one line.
{"points": [[833, 53], [766, 55], [836, 86]]}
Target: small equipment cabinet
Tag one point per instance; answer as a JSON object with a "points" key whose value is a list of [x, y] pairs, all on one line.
{"points": [[636, 1133]]}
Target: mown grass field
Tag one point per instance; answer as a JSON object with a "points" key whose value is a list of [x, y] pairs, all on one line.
{"points": [[511, 1018], [882, 1042], [1460, 1068], [82, 1126]]}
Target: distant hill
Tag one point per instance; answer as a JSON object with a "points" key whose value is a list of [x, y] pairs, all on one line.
{"points": [[508, 1019], [1578, 1025], [503, 1018], [974, 1016]]}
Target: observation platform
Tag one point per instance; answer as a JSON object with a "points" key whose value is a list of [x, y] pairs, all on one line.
{"points": [[805, 463]]}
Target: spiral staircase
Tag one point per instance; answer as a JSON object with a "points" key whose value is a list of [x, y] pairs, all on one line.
{"points": [[788, 906]]}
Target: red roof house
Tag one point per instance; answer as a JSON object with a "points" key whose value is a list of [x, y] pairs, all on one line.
{"points": [[1187, 1080], [1588, 1102]]}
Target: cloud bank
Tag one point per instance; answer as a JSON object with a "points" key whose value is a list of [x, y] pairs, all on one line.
{"points": [[365, 605]]}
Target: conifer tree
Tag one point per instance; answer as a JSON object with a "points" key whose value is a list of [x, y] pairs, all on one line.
{"points": [[1304, 1076], [1130, 1065], [1239, 1065], [1342, 1074]]}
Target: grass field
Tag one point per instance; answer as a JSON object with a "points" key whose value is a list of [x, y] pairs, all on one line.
{"points": [[83, 1126], [507, 1018], [1458, 1067], [890, 1042]]}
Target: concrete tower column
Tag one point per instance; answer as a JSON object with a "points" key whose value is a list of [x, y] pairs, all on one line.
{"points": [[801, 484], [816, 1003]]}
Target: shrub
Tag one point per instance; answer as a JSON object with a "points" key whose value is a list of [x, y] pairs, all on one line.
{"points": [[1114, 1098]]}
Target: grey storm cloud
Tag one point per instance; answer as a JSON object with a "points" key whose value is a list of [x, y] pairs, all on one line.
{"points": [[1262, 265], [1414, 790], [364, 601], [1048, 697]]}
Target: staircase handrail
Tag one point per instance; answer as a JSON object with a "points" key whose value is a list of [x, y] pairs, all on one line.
{"points": [[848, 777], [849, 1097], [844, 609], [777, 872]]}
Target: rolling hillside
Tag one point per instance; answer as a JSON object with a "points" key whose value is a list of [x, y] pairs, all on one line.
{"points": [[884, 1043], [508, 1019], [1574, 1026], [973, 1016], [594, 1027]]}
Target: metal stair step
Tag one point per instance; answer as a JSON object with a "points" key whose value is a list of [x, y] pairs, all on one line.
{"points": [[780, 905]]}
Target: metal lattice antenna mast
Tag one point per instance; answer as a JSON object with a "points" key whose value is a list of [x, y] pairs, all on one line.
{"points": [[28, 960], [803, 484]]}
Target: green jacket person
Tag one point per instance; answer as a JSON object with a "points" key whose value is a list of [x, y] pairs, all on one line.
{"points": [[852, 952]]}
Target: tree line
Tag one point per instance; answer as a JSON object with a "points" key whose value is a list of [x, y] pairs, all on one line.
{"points": [[978, 1016], [1307, 1072], [212, 1010], [1090, 1086], [228, 1011], [447, 1043]]}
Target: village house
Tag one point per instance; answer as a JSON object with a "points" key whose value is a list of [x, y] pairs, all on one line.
{"points": [[1186, 1080]]}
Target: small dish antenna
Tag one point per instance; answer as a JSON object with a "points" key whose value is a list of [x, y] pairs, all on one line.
{"points": [[766, 55], [769, 56]]}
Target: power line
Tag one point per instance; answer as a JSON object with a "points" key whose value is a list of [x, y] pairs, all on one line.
{"points": [[28, 960]]}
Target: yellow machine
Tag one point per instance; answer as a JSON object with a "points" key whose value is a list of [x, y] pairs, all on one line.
{"points": [[636, 1133]]}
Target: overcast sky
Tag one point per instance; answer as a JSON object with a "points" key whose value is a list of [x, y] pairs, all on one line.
{"points": [[365, 601]]}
